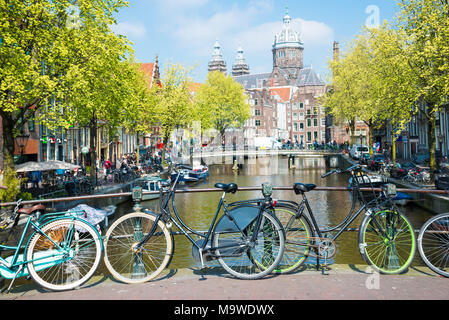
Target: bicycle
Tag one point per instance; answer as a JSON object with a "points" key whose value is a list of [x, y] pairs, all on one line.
{"points": [[62, 253], [386, 238], [433, 244], [139, 245]]}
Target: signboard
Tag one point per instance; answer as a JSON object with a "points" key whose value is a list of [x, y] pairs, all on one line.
{"points": [[85, 150]]}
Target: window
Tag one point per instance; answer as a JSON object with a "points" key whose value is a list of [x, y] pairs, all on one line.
{"points": [[301, 116], [257, 123], [315, 135], [257, 112], [301, 126], [309, 122], [295, 127], [309, 112], [256, 102], [295, 116], [323, 122], [315, 122], [301, 105], [31, 126], [309, 136]]}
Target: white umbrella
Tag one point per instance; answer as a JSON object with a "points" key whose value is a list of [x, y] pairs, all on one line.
{"points": [[45, 166], [28, 166]]}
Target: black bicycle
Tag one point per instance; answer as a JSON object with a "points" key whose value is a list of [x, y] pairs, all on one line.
{"points": [[247, 240], [386, 238], [433, 243]]}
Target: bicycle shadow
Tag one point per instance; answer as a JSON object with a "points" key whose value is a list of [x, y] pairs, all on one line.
{"points": [[219, 272]]}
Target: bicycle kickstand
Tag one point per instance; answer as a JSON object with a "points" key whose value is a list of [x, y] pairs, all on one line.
{"points": [[14, 278], [324, 266], [203, 267]]}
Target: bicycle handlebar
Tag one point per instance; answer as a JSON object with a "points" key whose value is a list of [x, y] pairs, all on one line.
{"points": [[354, 167]]}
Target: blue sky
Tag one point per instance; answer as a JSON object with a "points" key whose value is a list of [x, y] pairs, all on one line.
{"points": [[184, 31]]}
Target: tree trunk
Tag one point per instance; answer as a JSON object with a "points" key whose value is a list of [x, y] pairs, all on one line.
{"points": [[8, 125], [93, 150], [352, 129], [432, 144], [164, 141]]}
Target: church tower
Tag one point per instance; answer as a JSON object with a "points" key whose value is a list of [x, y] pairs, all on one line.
{"points": [[217, 63], [288, 49], [240, 67]]}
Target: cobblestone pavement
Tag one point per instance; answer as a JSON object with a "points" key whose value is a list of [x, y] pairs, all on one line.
{"points": [[343, 282]]}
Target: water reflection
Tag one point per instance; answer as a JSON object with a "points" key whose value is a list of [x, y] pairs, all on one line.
{"points": [[330, 208]]}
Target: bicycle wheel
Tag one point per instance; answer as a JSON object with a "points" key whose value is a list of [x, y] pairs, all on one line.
{"points": [[433, 244], [387, 242], [297, 239], [251, 261], [131, 265], [72, 263]]}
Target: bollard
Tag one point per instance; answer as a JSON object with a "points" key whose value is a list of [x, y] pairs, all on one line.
{"points": [[235, 167], [291, 162], [137, 198]]}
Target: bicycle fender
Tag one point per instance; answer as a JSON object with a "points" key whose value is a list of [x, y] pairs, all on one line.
{"points": [[237, 219]]}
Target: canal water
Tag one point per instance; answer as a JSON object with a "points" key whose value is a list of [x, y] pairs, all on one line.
{"points": [[329, 207]]}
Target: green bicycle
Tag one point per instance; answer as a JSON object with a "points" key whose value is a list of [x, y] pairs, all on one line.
{"points": [[386, 239]]}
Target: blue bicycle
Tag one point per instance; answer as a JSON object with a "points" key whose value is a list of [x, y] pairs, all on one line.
{"points": [[62, 252]]}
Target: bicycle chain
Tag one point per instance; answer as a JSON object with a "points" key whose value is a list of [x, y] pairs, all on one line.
{"points": [[317, 244]]}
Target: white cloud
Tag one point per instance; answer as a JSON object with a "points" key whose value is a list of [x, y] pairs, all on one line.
{"points": [[314, 33], [131, 30]]}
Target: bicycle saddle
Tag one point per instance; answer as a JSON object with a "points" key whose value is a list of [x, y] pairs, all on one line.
{"points": [[301, 187], [232, 187], [32, 209]]}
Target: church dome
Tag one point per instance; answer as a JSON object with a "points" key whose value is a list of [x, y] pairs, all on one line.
{"points": [[288, 37]]}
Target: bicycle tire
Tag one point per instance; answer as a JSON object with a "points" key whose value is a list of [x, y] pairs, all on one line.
{"points": [[137, 266], [297, 239], [78, 263], [392, 254], [268, 250], [433, 244]]}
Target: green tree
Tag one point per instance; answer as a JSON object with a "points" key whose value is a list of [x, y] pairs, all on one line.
{"points": [[373, 81], [426, 25], [106, 88], [220, 103], [36, 52], [172, 101]]}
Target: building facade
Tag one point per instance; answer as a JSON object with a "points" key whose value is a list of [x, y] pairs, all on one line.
{"points": [[293, 93]]}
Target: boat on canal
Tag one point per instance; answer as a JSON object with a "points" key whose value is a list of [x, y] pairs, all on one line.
{"points": [[151, 183], [192, 174]]}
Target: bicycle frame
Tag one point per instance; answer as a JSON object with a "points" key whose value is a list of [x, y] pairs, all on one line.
{"points": [[17, 261], [166, 217], [351, 216]]}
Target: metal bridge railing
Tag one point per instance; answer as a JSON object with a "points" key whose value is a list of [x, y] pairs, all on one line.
{"points": [[129, 194]]}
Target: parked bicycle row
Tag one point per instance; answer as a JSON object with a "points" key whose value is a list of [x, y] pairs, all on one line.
{"points": [[250, 239]]}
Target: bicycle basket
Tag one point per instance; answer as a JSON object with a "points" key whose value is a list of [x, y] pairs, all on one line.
{"points": [[368, 181]]}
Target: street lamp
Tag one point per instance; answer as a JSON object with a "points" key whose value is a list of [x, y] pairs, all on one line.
{"points": [[22, 140]]}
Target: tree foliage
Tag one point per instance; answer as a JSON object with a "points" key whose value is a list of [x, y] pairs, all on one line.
{"points": [[220, 103], [172, 100], [60, 60]]}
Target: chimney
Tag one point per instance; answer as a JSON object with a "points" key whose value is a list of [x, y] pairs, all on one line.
{"points": [[336, 51]]}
